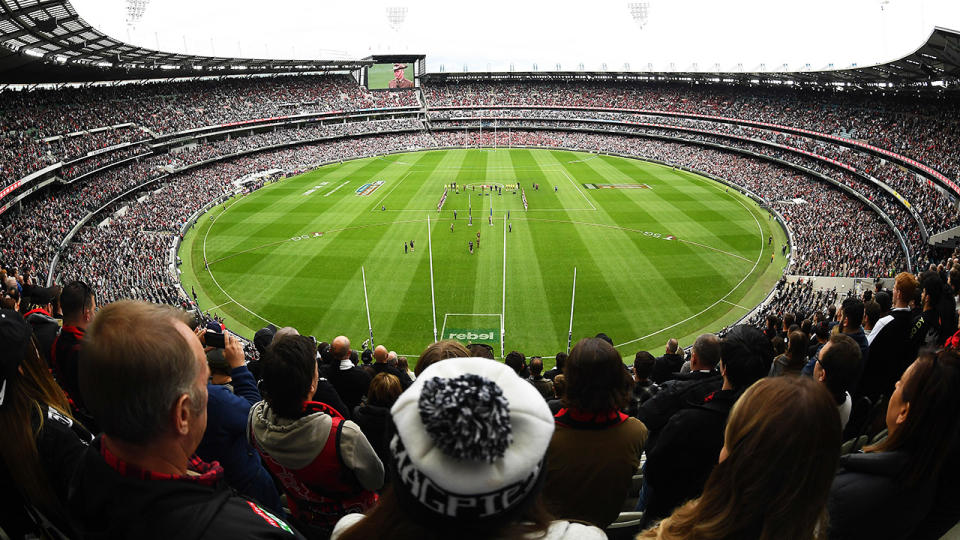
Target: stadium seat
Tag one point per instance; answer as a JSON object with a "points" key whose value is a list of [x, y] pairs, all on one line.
{"points": [[626, 526]]}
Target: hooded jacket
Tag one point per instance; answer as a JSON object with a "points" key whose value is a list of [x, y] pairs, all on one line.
{"points": [[326, 465]]}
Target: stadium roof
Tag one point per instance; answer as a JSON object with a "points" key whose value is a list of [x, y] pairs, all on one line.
{"points": [[935, 64], [46, 41]]}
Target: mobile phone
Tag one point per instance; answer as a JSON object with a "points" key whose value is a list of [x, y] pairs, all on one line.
{"points": [[215, 339]]}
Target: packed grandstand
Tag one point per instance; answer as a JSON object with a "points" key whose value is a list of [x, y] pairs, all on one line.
{"points": [[99, 183]]}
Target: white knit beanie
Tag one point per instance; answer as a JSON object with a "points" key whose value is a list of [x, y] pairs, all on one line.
{"points": [[470, 439]]}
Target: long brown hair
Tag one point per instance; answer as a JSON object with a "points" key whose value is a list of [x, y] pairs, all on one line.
{"points": [[388, 519], [783, 444], [597, 380], [933, 392], [25, 396]]}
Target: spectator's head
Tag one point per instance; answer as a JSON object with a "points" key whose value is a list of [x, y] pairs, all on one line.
{"points": [[561, 361], [516, 361], [286, 331], [797, 343], [953, 278], [643, 364], [838, 365], [380, 354], [441, 350], [481, 350], [905, 287], [392, 358], [851, 314], [402, 364], [263, 337], [745, 356], [789, 319], [932, 291], [922, 415], [79, 304], [775, 469], [885, 301], [340, 348], [560, 385], [219, 368], [705, 353], [536, 366], [672, 346], [596, 379], [871, 314], [494, 453], [143, 375], [289, 374], [384, 390], [822, 331], [45, 298], [605, 337]]}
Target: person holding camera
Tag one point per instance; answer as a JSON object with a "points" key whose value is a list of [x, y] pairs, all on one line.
{"points": [[231, 392]]}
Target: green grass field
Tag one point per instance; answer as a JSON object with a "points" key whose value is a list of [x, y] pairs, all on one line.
{"points": [[678, 258]]}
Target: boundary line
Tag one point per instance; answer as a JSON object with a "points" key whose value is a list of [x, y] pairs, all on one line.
{"points": [[737, 305], [433, 301], [724, 297], [580, 191], [217, 283]]}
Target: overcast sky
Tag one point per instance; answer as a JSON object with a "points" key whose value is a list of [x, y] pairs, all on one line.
{"points": [[492, 34]]}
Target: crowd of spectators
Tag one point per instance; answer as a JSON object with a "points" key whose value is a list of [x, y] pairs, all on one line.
{"points": [[28, 117], [152, 422], [919, 127]]}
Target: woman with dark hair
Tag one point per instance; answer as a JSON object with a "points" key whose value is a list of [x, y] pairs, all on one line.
{"points": [[792, 361], [580, 484], [467, 452], [886, 491], [42, 442], [774, 470]]}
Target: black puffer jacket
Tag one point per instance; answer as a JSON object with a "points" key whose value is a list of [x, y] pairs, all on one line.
{"points": [[868, 501]]}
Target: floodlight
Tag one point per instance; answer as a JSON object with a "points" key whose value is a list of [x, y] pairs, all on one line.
{"points": [[135, 9], [640, 11], [396, 16]]}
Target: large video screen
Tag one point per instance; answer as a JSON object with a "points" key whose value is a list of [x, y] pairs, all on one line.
{"points": [[393, 76]]}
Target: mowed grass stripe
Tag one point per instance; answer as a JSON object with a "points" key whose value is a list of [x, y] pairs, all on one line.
{"points": [[641, 284]]}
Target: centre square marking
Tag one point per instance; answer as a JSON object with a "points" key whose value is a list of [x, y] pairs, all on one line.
{"points": [[473, 335]]}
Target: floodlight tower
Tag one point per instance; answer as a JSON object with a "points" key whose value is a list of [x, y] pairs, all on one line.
{"points": [[396, 15], [640, 11], [135, 9]]}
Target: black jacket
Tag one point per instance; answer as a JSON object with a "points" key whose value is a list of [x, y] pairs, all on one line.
{"points": [[686, 451], [665, 367], [673, 396], [373, 422], [379, 368], [351, 384], [868, 501], [890, 354], [106, 504]]}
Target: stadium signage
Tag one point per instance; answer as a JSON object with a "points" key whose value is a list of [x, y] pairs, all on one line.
{"points": [[367, 189], [474, 335]]}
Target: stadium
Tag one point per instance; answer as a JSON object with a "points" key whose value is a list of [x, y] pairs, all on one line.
{"points": [[663, 258]]}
